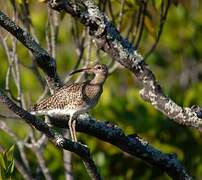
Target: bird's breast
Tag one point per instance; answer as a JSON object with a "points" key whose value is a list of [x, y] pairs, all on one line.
{"points": [[91, 94]]}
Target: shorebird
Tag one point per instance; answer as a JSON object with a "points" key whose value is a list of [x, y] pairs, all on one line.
{"points": [[74, 99]]}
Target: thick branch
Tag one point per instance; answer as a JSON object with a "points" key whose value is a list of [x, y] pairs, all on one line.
{"points": [[57, 139], [48, 65], [106, 132], [109, 39], [133, 145]]}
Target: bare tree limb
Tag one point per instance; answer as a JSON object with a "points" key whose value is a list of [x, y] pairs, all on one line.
{"points": [[54, 137], [42, 163], [120, 18], [48, 65], [120, 49], [67, 158], [22, 171], [162, 21], [131, 144], [143, 9], [44, 61]]}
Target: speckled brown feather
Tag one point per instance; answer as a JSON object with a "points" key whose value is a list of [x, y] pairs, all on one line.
{"points": [[74, 95], [74, 98]]}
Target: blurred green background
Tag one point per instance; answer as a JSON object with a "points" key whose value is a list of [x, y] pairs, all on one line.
{"points": [[177, 65]]}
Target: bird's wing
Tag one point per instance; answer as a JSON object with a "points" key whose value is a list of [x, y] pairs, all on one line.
{"points": [[64, 96]]}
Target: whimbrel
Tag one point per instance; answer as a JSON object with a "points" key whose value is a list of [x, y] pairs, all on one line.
{"points": [[74, 99]]}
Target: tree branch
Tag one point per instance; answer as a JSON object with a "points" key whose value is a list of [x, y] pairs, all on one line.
{"points": [[131, 144], [44, 61], [109, 39], [54, 137], [48, 65], [163, 15]]}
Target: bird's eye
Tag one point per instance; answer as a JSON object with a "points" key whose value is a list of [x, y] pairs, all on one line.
{"points": [[99, 67]]}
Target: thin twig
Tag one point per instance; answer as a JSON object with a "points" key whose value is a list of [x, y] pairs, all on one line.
{"points": [[141, 27], [67, 158], [111, 11], [163, 16], [45, 62], [120, 18]]}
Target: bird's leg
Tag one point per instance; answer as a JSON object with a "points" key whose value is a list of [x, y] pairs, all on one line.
{"points": [[70, 127], [74, 129]]}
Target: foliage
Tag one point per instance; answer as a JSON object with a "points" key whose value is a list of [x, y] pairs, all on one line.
{"points": [[7, 163], [176, 63]]}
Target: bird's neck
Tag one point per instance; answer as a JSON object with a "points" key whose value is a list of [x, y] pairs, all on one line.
{"points": [[92, 91], [98, 80]]}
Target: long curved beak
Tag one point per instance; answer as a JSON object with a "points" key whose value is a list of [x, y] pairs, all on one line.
{"points": [[79, 70]]}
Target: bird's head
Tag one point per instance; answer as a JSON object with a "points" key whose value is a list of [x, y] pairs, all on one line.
{"points": [[100, 72], [98, 69]]}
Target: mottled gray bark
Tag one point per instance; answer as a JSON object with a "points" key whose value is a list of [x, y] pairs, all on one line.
{"points": [[54, 137], [133, 144], [109, 39]]}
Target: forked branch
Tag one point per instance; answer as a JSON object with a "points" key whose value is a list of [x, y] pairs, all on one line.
{"points": [[108, 38], [54, 137]]}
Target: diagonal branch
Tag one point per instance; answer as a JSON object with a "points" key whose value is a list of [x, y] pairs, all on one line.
{"points": [[133, 145], [48, 65], [43, 59], [54, 137], [109, 39]]}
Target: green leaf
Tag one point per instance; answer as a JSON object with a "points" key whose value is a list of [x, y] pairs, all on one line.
{"points": [[10, 168], [149, 26], [20, 1], [9, 153], [2, 162], [158, 4], [2, 174]]}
